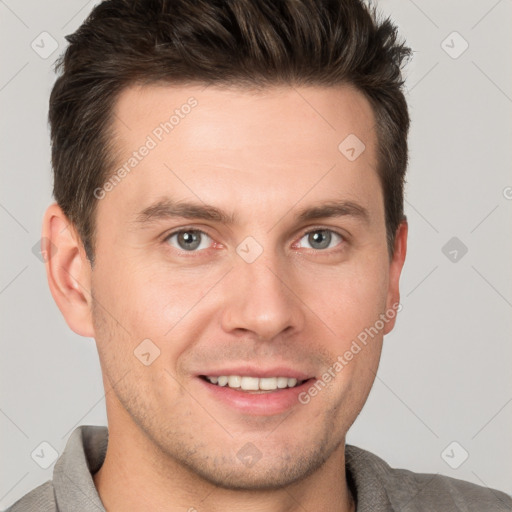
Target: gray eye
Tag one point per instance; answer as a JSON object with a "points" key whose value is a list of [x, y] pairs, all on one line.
{"points": [[189, 239], [321, 238]]}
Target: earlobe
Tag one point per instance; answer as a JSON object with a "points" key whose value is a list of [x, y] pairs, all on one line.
{"points": [[395, 270], [68, 270]]}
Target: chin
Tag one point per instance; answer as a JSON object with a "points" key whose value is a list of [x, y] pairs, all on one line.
{"points": [[258, 475]]}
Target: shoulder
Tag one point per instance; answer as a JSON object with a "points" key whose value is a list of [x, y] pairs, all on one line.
{"points": [[417, 492], [72, 485], [39, 499], [432, 491]]}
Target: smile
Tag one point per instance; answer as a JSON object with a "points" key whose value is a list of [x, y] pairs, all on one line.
{"points": [[252, 383]]}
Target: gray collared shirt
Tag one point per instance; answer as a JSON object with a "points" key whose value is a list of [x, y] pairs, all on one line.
{"points": [[376, 486]]}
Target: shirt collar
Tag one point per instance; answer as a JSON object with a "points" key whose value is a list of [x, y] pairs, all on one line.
{"points": [[72, 475], [362, 469]]}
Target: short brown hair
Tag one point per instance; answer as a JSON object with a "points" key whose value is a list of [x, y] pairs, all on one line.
{"points": [[243, 43]]}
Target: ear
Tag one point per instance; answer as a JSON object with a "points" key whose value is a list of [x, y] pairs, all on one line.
{"points": [[68, 270], [395, 270]]}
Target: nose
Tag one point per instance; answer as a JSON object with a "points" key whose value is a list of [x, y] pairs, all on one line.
{"points": [[262, 299]]}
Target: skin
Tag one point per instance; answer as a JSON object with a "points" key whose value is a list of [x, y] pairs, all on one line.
{"points": [[262, 156]]}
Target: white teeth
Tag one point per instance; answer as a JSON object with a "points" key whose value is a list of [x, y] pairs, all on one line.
{"points": [[234, 381], [282, 382], [268, 383], [249, 383], [254, 383]]}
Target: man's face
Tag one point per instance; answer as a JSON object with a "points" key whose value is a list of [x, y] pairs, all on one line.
{"points": [[266, 293]]}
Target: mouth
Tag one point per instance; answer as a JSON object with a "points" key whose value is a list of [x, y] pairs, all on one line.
{"points": [[254, 394], [254, 384]]}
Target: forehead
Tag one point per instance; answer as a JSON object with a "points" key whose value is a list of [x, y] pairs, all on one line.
{"points": [[275, 147], [224, 115]]}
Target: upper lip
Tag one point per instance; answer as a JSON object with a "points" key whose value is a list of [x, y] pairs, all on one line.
{"points": [[255, 371]]}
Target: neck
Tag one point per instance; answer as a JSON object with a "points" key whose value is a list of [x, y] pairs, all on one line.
{"points": [[136, 476]]}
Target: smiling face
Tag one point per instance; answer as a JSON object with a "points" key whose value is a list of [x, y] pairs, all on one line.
{"points": [[242, 242]]}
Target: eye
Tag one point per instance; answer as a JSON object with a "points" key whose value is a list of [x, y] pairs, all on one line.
{"points": [[322, 238], [188, 239]]}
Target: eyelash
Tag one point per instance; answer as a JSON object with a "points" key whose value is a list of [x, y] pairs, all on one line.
{"points": [[315, 229]]}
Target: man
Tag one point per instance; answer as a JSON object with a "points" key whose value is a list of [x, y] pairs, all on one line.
{"points": [[229, 228]]}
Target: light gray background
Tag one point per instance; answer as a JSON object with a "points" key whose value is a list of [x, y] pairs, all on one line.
{"points": [[445, 373]]}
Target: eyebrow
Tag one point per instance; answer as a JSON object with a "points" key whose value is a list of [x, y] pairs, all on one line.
{"points": [[167, 208]]}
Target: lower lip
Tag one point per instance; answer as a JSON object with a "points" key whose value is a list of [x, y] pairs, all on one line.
{"points": [[262, 404]]}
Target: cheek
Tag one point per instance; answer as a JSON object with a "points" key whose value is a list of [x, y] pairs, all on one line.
{"points": [[351, 298], [163, 305]]}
